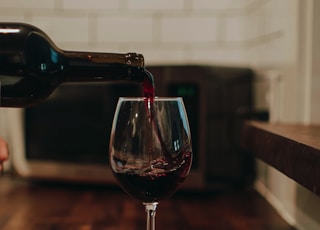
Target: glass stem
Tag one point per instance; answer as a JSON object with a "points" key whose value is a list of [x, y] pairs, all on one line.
{"points": [[151, 215]]}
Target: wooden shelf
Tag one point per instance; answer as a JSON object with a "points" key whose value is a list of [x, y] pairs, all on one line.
{"points": [[293, 149]]}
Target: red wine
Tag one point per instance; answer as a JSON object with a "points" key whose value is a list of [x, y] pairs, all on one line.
{"points": [[148, 86], [162, 178], [149, 93], [31, 66], [157, 183]]}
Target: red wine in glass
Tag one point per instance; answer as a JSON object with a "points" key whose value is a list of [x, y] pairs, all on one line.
{"points": [[150, 147], [151, 186]]}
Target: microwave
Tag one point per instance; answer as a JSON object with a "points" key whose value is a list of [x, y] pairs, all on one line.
{"points": [[66, 137]]}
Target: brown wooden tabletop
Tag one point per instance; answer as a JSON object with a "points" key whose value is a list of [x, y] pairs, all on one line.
{"points": [[33, 206], [293, 149]]}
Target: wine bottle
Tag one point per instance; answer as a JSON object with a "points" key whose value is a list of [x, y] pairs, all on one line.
{"points": [[32, 66]]}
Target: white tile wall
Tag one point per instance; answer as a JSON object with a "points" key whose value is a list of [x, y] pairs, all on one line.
{"points": [[165, 31], [90, 5], [30, 4], [8, 17], [71, 29], [276, 15], [259, 33], [188, 29], [235, 28], [155, 5], [221, 5], [125, 29]]}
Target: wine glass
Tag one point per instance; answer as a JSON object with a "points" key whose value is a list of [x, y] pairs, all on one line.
{"points": [[150, 149]]}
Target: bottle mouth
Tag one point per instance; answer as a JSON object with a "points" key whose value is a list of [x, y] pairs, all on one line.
{"points": [[135, 59]]}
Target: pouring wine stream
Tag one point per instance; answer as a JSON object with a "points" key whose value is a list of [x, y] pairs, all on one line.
{"points": [[149, 93]]}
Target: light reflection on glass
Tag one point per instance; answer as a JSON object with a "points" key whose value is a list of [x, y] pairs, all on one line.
{"points": [[7, 31]]}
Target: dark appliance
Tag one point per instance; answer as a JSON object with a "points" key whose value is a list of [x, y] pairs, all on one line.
{"points": [[66, 138]]}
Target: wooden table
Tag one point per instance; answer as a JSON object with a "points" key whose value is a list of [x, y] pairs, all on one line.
{"points": [[44, 206], [293, 149]]}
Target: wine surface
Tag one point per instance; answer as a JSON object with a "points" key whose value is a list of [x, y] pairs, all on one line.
{"points": [[157, 182]]}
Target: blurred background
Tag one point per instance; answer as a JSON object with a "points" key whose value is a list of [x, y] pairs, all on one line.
{"points": [[278, 39]]}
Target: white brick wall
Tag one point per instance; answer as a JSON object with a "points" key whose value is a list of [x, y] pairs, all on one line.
{"points": [[90, 5], [125, 29], [188, 29], [71, 29], [30, 4], [235, 27], [164, 31], [153, 5], [259, 33], [221, 4]]}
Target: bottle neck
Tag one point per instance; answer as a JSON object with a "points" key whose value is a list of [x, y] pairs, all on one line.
{"points": [[85, 66], [130, 59]]}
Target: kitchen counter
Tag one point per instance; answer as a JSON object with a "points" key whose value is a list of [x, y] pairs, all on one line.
{"points": [[33, 206], [293, 149]]}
